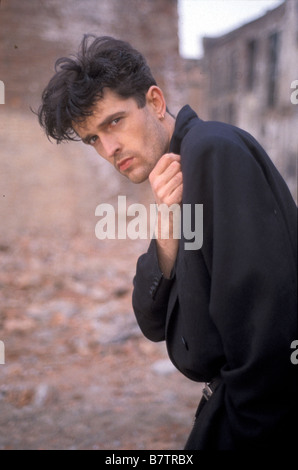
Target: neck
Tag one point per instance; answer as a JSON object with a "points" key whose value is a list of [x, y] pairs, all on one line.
{"points": [[169, 124]]}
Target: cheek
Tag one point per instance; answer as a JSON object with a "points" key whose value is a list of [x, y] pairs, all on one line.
{"points": [[99, 151], [146, 141], [102, 155]]}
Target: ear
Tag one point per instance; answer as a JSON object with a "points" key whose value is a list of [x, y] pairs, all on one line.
{"points": [[155, 99]]}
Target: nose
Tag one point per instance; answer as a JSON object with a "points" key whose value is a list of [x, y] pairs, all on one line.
{"points": [[110, 147]]}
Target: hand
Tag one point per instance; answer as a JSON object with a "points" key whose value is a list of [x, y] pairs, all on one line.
{"points": [[167, 186], [166, 180]]}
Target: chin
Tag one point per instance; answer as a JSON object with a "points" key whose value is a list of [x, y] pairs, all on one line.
{"points": [[137, 178]]}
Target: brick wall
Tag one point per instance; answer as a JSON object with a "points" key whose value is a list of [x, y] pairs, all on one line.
{"points": [[34, 34]]}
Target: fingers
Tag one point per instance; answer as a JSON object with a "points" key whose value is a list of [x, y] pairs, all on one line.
{"points": [[164, 162], [166, 180], [171, 192]]}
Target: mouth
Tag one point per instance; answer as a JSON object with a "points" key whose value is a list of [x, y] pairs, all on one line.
{"points": [[124, 164]]}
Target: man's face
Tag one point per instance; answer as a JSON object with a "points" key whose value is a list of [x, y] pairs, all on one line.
{"points": [[130, 138]]}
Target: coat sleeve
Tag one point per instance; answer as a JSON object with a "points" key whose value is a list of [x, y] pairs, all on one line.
{"points": [[151, 295], [253, 298]]}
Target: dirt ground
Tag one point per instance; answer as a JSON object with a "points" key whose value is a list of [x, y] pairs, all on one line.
{"points": [[78, 373]]}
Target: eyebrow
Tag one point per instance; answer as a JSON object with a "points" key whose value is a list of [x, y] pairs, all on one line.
{"points": [[106, 121]]}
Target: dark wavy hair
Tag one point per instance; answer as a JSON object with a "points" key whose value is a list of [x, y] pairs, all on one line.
{"points": [[79, 82]]}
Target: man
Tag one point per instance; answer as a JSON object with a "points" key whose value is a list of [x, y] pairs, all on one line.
{"points": [[227, 311]]}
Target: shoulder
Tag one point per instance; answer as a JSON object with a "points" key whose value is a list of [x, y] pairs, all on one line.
{"points": [[214, 135], [211, 145]]}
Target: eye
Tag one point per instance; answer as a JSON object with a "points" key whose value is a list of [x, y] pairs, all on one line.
{"points": [[92, 140], [115, 121]]}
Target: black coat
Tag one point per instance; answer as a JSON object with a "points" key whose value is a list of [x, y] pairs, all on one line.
{"points": [[230, 308]]}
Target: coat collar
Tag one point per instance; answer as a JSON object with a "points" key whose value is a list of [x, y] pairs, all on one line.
{"points": [[185, 121]]}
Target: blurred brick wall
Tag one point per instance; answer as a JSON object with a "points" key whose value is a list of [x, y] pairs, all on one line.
{"points": [[34, 34]]}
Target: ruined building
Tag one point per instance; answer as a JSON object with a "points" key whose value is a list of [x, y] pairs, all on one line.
{"points": [[249, 79]]}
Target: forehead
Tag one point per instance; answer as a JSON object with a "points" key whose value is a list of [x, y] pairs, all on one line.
{"points": [[111, 100], [104, 109]]}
